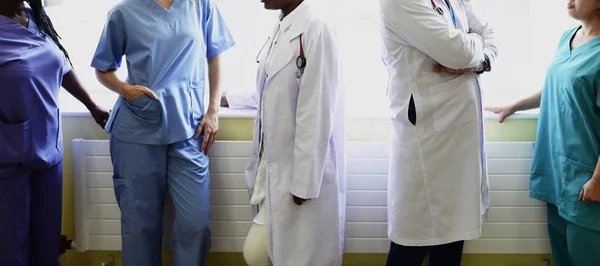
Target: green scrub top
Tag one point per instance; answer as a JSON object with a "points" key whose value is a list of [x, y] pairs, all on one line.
{"points": [[568, 137]]}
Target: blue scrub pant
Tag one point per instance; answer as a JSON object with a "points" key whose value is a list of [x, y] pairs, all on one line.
{"points": [[30, 215], [572, 245], [143, 174]]}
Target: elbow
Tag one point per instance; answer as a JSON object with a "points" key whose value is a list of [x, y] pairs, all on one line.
{"points": [[101, 75]]}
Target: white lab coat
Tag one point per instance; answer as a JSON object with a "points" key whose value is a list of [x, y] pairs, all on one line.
{"points": [[304, 144], [438, 189]]}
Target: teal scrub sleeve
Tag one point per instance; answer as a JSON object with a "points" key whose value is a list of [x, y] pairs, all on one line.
{"points": [[112, 45], [216, 34]]}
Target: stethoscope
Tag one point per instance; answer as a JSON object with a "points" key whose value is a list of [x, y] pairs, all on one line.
{"points": [[300, 60], [437, 9], [440, 11]]}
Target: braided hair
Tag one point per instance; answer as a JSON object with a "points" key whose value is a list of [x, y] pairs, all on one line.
{"points": [[45, 25]]}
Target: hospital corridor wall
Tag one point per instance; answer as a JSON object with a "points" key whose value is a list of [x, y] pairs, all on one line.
{"points": [[238, 127]]}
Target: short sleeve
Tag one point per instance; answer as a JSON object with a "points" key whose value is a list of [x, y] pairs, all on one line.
{"points": [[112, 45], [67, 67], [216, 34]]}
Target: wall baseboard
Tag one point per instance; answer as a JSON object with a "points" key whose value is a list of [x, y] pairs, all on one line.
{"points": [[95, 258]]}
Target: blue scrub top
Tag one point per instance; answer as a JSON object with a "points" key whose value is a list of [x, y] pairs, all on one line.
{"points": [[568, 137], [31, 73], [166, 51]]}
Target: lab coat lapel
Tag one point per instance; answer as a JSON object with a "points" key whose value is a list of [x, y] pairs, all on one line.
{"points": [[262, 63], [285, 54]]}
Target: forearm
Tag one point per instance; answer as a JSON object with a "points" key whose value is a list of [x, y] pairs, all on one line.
{"points": [[214, 78], [73, 86], [111, 81], [597, 171], [528, 103]]}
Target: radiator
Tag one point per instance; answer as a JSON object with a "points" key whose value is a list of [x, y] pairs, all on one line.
{"points": [[516, 224]]}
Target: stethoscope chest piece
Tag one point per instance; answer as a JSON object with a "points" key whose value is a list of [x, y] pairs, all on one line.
{"points": [[301, 61]]}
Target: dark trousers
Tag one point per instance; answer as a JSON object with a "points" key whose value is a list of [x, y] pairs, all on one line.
{"points": [[442, 255]]}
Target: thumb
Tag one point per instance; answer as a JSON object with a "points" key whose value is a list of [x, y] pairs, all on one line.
{"points": [[150, 93], [581, 194], [501, 118]]}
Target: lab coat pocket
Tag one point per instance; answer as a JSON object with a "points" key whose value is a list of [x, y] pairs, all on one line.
{"points": [[452, 103], [16, 142], [142, 113]]}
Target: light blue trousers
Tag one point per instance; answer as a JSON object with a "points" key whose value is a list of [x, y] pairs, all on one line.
{"points": [[143, 174], [572, 245]]}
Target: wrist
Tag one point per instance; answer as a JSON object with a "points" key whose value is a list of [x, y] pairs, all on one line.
{"points": [[213, 108], [485, 66], [91, 105], [122, 88]]}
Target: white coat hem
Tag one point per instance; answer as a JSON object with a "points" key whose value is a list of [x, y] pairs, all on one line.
{"points": [[471, 235]]}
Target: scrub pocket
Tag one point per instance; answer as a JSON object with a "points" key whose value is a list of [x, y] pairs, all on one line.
{"points": [[142, 113], [576, 176], [197, 100], [452, 103], [16, 143]]}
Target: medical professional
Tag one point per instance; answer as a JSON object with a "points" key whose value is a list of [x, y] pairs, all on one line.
{"points": [[33, 67], [159, 131], [438, 192], [566, 165], [296, 175]]}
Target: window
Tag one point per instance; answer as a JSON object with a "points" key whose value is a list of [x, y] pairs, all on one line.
{"points": [[528, 31], [80, 32]]}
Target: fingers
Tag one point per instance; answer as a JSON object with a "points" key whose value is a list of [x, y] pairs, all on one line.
{"points": [[224, 102], [581, 193], [442, 69], [493, 109], [204, 142], [211, 140], [150, 93], [199, 129]]}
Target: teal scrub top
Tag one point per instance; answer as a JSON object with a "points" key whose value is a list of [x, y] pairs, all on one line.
{"points": [[568, 138]]}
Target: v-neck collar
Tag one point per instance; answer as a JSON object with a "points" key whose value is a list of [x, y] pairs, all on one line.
{"points": [[582, 47], [168, 14], [31, 25]]}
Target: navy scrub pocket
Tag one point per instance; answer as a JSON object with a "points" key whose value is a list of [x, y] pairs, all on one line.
{"points": [[16, 142]]}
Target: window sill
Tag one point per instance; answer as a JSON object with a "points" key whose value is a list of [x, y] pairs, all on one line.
{"points": [[70, 107]]}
